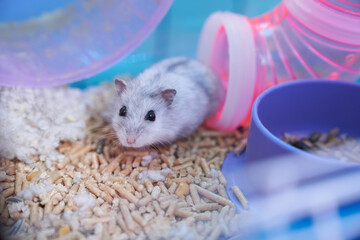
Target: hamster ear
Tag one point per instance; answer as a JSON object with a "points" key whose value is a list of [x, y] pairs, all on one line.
{"points": [[168, 95], [119, 85]]}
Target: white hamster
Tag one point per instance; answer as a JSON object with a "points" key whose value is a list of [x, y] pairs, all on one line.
{"points": [[168, 101]]}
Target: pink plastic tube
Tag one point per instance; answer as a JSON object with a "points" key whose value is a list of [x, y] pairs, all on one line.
{"points": [[298, 39]]}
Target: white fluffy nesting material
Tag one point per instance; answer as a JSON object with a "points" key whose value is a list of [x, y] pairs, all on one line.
{"points": [[35, 190], [154, 175], [34, 121], [100, 100], [18, 210], [84, 200], [148, 158]]}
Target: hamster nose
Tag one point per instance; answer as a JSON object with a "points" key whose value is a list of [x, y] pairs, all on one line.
{"points": [[130, 139]]}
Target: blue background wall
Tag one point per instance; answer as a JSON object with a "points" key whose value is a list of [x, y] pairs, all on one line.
{"points": [[178, 34]]}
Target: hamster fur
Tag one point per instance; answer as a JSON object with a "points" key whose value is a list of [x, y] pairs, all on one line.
{"points": [[181, 92]]}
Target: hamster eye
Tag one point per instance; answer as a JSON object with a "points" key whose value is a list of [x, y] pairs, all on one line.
{"points": [[122, 112], [150, 116]]}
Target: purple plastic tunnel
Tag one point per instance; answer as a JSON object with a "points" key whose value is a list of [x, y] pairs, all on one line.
{"points": [[76, 41], [298, 39]]}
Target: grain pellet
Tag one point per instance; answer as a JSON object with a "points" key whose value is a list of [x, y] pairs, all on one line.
{"points": [[144, 201], [204, 216], [189, 200], [9, 171], [126, 194], [244, 202], [165, 160], [93, 221], [181, 204], [182, 213], [106, 197], [214, 218], [181, 161], [113, 164], [8, 178], [171, 209], [59, 208], [240, 147], [8, 192], [6, 185], [179, 167], [18, 181], [194, 194], [120, 221], [172, 188], [148, 185], [112, 226], [205, 166], [221, 190], [222, 178], [48, 208], [163, 188], [54, 176], [102, 160], [83, 150], [33, 213], [182, 190], [108, 190], [138, 218], [207, 206], [93, 188], [212, 187], [184, 179], [128, 162], [136, 162], [127, 216], [156, 192], [165, 204], [214, 197], [157, 208], [94, 161], [133, 173], [64, 230], [136, 184], [31, 175]]}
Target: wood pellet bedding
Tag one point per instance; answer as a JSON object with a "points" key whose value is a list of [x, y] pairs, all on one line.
{"points": [[101, 191]]}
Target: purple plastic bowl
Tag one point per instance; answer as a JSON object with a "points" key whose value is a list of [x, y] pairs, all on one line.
{"points": [[299, 108]]}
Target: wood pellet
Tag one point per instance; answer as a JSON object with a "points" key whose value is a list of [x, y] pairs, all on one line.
{"points": [[120, 206]]}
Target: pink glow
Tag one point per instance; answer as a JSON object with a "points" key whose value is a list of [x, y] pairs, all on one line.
{"points": [[284, 58], [350, 58], [260, 80], [224, 75], [270, 60], [350, 3], [298, 55], [333, 75], [280, 13], [331, 62], [338, 8], [320, 41]]}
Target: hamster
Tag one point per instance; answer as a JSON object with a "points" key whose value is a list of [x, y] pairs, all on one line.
{"points": [[168, 101]]}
